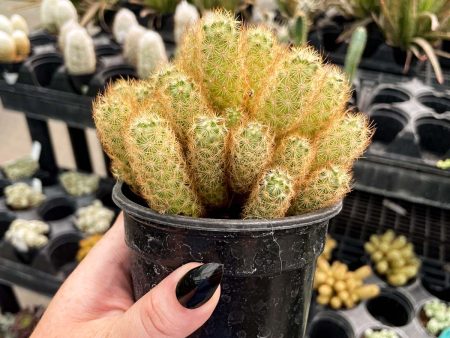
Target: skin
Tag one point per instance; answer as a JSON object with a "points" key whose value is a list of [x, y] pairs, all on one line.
{"points": [[96, 300]]}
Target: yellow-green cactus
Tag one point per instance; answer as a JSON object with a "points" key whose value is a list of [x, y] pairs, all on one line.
{"points": [[207, 157], [325, 187], [271, 196], [159, 166], [250, 151], [233, 116]]}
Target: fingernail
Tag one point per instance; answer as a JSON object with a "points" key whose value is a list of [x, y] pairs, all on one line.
{"points": [[199, 284]]}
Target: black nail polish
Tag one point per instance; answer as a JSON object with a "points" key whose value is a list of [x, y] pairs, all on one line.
{"points": [[199, 284]]}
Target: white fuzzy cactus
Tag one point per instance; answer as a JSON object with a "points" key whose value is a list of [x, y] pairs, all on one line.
{"points": [[65, 29], [48, 15], [131, 45], [185, 16], [5, 25], [123, 21], [151, 54], [19, 23], [79, 53], [65, 11], [22, 44], [7, 48]]}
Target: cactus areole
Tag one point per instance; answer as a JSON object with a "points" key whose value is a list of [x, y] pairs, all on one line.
{"points": [[211, 157]]}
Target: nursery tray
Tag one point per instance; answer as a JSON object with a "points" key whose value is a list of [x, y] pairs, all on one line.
{"points": [[45, 270]]}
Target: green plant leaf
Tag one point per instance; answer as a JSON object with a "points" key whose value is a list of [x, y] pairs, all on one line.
{"points": [[429, 51]]}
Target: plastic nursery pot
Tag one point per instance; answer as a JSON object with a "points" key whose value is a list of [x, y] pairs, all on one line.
{"points": [[6, 219], [391, 308], [269, 264], [439, 104], [56, 208], [434, 135], [62, 251], [329, 324], [390, 95], [388, 123]]}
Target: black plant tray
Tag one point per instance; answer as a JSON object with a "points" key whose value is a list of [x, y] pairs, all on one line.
{"points": [[428, 228], [45, 270]]}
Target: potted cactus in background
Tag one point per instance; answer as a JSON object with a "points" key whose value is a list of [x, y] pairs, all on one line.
{"points": [[239, 152], [14, 43]]}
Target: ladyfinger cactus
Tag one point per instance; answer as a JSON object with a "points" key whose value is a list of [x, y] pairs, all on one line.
{"points": [[161, 171], [207, 157], [48, 15], [7, 48], [271, 196], [288, 94], [324, 188], [251, 147], [19, 23], [295, 154], [79, 53], [5, 25], [151, 54], [185, 16], [355, 51], [131, 44], [123, 21], [344, 142], [22, 44], [65, 11]]}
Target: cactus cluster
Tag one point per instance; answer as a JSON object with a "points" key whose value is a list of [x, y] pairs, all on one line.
{"points": [[94, 218], [393, 257], [381, 333], [22, 168], [237, 122], [20, 196], [14, 43], [437, 316], [55, 13], [86, 245], [338, 287], [79, 184], [27, 234]]}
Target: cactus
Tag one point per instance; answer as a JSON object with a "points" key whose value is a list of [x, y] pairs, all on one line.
{"points": [[160, 168], [251, 147], [185, 16], [65, 29], [338, 287], [79, 53], [344, 142], [207, 157], [393, 257], [22, 44], [355, 51], [162, 6], [131, 44], [438, 316], [233, 116], [48, 15], [299, 30], [21, 196], [151, 54], [65, 11], [271, 196], [123, 21], [215, 42], [19, 23], [7, 48], [94, 218], [289, 92], [22, 168], [27, 234], [5, 25], [295, 154], [324, 188], [79, 184]]}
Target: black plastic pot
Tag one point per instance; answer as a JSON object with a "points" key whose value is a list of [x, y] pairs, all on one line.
{"points": [[57, 208], [391, 308], [328, 324], [269, 264]]}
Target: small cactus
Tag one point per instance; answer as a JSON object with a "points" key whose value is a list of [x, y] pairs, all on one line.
{"points": [[438, 316], [271, 196], [21, 168], [123, 21], [19, 23], [22, 44], [160, 168], [355, 51], [48, 15], [131, 44], [79, 53], [7, 48], [185, 16], [65, 29], [65, 11], [94, 218], [151, 54], [5, 25], [251, 147], [21, 196], [207, 157], [27, 234], [79, 184], [298, 30], [324, 188]]}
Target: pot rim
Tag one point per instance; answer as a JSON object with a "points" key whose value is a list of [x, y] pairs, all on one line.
{"points": [[219, 224]]}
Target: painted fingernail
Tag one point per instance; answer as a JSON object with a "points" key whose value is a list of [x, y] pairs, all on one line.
{"points": [[199, 284]]}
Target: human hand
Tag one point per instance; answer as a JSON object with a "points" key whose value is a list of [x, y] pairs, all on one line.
{"points": [[96, 300]]}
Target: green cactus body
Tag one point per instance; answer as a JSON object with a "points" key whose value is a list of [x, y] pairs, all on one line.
{"points": [[233, 116], [295, 155], [329, 103], [299, 30], [207, 157], [111, 113], [289, 91], [123, 21], [48, 15], [345, 141], [130, 47], [7, 48], [65, 11], [79, 53], [260, 50], [151, 54], [251, 147], [19, 23], [325, 187], [161, 171], [6, 25], [355, 51], [271, 196]]}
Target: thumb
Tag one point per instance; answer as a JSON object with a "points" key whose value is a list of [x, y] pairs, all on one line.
{"points": [[177, 306]]}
